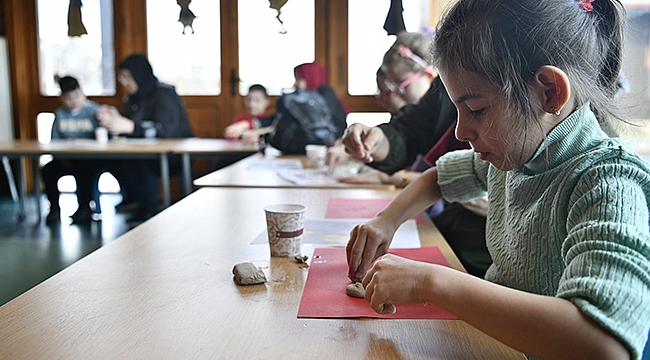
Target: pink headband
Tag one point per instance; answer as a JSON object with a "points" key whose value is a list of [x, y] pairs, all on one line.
{"points": [[406, 52]]}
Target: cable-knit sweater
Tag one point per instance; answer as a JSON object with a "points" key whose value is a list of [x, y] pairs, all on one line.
{"points": [[572, 222]]}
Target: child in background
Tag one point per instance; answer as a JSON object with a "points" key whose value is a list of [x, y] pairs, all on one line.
{"points": [[256, 103], [422, 127], [407, 68], [76, 119], [308, 76], [568, 219], [404, 77]]}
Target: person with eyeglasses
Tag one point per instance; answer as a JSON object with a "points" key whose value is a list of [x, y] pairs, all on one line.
{"points": [[419, 132], [404, 77], [387, 99]]}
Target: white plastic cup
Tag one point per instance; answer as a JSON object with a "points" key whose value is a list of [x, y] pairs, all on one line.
{"points": [[149, 129], [285, 224], [316, 156], [101, 135]]}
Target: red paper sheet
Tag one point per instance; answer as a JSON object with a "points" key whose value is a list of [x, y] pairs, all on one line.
{"points": [[324, 294], [352, 208]]}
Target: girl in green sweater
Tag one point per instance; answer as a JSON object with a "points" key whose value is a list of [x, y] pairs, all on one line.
{"points": [[568, 220]]}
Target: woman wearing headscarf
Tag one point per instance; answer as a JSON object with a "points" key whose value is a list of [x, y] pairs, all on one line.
{"points": [[313, 76], [314, 103], [152, 109]]}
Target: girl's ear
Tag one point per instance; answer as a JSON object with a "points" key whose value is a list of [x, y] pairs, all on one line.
{"points": [[431, 73], [554, 87]]}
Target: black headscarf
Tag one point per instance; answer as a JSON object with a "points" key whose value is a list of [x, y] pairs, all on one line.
{"points": [[142, 73]]}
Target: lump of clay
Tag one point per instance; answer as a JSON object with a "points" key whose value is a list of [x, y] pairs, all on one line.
{"points": [[248, 274], [356, 290]]}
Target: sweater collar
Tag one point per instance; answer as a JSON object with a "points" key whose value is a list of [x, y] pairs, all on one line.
{"points": [[572, 137]]}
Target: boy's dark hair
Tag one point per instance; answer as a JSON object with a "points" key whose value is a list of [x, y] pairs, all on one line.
{"points": [[258, 87], [68, 84]]}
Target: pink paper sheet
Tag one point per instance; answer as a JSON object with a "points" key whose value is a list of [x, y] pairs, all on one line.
{"points": [[324, 294], [352, 208]]}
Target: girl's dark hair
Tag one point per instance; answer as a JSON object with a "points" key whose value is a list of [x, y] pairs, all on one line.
{"points": [[507, 41]]}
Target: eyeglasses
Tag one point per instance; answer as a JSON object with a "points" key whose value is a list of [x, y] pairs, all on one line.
{"points": [[400, 88]]}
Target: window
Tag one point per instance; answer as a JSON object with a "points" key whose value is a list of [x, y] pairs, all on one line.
{"points": [[188, 57], [369, 119], [368, 41], [268, 49], [634, 100], [89, 58]]}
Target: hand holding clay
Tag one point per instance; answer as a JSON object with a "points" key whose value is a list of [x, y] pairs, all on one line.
{"points": [[394, 279], [367, 242], [356, 290]]}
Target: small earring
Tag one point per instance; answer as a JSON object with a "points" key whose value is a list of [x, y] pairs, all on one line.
{"points": [[554, 111]]}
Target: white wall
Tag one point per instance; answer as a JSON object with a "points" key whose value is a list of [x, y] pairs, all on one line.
{"points": [[6, 126]]}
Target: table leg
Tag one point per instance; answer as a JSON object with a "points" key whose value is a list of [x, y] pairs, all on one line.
{"points": [[187, 174], [21, 189], [36, 174], [164, 173], [10, 178]]}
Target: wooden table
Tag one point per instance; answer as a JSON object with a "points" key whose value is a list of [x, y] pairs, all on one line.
{"points": [[222, 148], [165, 290], [248, 173], [122, 148]]}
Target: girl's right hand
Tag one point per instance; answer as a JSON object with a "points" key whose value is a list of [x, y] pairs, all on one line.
{"points": [[368, 242]]}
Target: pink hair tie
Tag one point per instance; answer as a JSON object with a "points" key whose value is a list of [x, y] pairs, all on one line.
{"points": [[586, 5]]}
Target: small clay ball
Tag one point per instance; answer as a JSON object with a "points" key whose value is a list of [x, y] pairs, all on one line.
{"points": [[356, 290]]}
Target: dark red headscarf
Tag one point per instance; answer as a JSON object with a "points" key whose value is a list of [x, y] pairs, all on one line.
{"points": [[314, 73]]}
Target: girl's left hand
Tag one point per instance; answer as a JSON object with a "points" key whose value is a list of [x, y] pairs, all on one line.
{"points": [[394, 279]]}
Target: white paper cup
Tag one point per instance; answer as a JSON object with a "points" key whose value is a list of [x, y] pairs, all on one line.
{"points": [[101, 134], [285, 224], [315, 155]]}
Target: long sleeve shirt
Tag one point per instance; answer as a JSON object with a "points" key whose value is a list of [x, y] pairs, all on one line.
{"points": [[572, 222], [79, 124]]}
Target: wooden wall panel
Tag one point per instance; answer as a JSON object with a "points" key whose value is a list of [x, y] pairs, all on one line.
{"points": [[230, 103], [20, 19], [2, 19], [203, 120]]}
